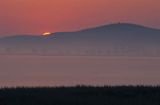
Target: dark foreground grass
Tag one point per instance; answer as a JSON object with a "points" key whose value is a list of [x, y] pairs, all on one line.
{"points": [[81, 95]]}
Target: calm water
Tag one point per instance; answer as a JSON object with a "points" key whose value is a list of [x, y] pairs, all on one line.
{"points": [[55, 71]]}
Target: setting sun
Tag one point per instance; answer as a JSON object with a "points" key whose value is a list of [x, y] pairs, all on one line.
{"points": [[46, 33]]}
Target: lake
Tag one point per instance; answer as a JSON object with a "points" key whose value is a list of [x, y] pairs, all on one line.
{"points": [[75, 70]]}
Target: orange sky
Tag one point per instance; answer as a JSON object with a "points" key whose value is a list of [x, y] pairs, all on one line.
{"points": [[38, 16]]}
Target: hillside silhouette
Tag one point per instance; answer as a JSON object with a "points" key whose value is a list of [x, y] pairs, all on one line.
{"points": [[121, 39]]}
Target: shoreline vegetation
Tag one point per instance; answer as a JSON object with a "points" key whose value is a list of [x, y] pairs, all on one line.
{"points": [[81, 95]]}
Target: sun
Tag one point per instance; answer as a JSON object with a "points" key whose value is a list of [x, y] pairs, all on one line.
{"points": [[46, 33]]}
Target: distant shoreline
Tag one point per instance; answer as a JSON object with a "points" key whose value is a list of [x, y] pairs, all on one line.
{"points": [[91, 56]]}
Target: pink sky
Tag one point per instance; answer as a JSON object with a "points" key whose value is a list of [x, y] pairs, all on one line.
{"points": [[38, 16]]}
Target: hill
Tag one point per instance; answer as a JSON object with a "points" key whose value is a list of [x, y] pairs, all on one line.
{"points": [[120, 39]]}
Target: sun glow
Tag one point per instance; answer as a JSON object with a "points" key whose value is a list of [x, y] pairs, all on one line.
{"points": [[46, 34]]}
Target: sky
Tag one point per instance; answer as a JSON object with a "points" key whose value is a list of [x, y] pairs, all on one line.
{"points": [[38, 16]]}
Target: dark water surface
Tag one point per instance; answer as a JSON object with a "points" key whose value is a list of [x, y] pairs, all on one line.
{"points": [[62, 70]]}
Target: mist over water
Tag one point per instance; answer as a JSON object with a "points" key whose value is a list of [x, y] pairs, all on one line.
{"points": [[74, 70]]}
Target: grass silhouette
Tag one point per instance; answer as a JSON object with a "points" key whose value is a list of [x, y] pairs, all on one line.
{"points": [[81, 95]]}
